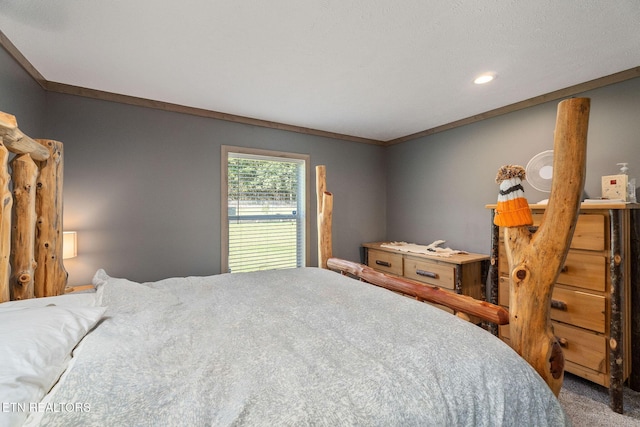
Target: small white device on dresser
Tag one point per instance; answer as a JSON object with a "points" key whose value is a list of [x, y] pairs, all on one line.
{"points": [[619, 187]]}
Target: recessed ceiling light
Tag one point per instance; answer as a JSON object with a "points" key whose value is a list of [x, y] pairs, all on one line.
{"points": [[484, 78]]}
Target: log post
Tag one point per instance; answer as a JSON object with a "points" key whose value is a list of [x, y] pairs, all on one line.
{"points": [[23, 263], [634, 379], [616, 350], [51, 277], [492, 276], [535, 260], [6, 203], [325, 217]]}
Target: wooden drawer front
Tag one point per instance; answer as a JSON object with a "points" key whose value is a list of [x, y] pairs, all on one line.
{"points": [[589, 233], [584, 271], [581, 270], [385, 261], [582, 309], [430, 272], [582, 347]]}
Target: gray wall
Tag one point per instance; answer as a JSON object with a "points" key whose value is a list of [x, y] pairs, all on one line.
{"points": [[142, 186], [21, 96], [438, 185]]}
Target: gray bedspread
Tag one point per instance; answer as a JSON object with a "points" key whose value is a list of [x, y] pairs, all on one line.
{"points": [[300, 347]]}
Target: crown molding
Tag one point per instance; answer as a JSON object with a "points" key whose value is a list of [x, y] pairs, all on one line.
{"points": [[629, 74], [166, 106], [200, 112]]}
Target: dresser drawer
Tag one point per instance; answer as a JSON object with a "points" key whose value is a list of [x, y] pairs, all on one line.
{"points": [[584, 270], [385, 261], [581, 309], [430, 272], [589, 233], [582, 347]]}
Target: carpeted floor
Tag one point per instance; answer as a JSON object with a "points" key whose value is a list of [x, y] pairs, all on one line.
{"points": [[587, 404]]}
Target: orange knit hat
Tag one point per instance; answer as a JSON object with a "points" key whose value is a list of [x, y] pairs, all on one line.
{"points": [[513, 209]]}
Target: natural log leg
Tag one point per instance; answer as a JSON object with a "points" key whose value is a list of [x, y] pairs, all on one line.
{"points": [[634, 379], [6, 203], [535, 261], [51, 277], [325, 217], [616, 350], [23, 262], [492, 275]]}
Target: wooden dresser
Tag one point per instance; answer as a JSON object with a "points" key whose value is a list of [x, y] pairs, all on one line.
{"points": [[460, 273], [591, 309]]}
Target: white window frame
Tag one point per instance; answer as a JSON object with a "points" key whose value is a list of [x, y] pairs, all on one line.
{"points": [[224, 211]]}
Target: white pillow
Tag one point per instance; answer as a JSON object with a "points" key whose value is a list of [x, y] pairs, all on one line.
{"points": [[35, 348], [69, 300]]}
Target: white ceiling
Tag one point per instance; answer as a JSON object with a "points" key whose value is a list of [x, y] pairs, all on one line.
{"points": [[377, 69]]}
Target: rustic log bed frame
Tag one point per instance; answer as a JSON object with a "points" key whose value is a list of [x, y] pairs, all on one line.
{"points": [[31, 239], [30, 233]]}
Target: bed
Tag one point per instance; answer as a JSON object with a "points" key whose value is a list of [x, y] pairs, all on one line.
{"points": [[294, 347], [306, 346]]}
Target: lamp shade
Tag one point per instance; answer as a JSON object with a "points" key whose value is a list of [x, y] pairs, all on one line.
{"points": [[69, 244]]}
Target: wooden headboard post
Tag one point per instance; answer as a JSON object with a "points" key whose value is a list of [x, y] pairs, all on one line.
{"points": [[6, 203], [325, 217], [30, 215], [535, 260], [23, 264], [51, 277]]}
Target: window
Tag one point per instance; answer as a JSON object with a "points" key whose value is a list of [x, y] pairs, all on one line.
{"points": [[264, 209]]}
